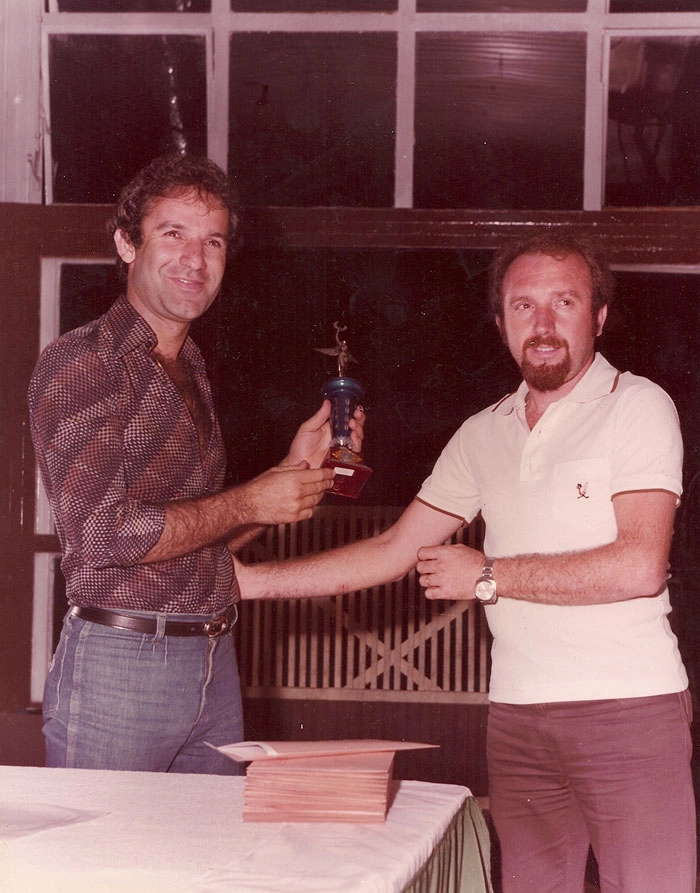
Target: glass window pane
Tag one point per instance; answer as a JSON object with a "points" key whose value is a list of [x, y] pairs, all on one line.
{"points": [[313, 118], [653, 138], [654, 5], [500, 120], [87, 291], [116, 103], [313, 5], [653, 329], [502, 5], [134, 5]]}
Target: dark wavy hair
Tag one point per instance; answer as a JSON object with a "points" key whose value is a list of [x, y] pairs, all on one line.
{"points": [[558, 244], [166, 177]]}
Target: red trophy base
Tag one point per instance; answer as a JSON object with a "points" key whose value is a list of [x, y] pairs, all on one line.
{"points": [[350, 472]]}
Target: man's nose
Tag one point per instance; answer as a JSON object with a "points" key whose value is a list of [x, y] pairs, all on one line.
{"points": [[544, 320], [193, 254]]}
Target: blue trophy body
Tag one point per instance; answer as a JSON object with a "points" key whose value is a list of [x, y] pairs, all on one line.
{"points": [[345, 394]]}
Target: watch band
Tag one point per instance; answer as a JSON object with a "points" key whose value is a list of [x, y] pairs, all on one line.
{"points": [[485, 590]]}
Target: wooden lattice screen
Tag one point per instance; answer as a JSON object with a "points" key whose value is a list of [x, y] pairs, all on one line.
{"points": [[388, 642]]}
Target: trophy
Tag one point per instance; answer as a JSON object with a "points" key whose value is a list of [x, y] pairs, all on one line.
{"points": [[345, 394]]}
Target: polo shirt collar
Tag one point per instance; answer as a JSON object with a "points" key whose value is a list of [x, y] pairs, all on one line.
{"points": [[600, 379]]}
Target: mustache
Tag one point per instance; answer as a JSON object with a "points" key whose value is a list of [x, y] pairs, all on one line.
{"points": [[189, 275], [545, 341]]}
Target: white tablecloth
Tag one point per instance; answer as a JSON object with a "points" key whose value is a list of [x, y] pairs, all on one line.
{"points": [[135, 832]]}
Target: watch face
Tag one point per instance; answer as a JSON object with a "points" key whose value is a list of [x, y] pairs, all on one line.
{"points": [[486, 591]]}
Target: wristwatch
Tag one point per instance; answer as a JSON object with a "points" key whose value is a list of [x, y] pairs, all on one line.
{"points": [[485, 590]]}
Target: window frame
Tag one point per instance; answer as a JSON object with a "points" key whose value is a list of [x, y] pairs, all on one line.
{"points": [[596, 22], [46, 552], [615, 34]]}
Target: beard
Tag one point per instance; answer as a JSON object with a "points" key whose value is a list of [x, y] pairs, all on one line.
{"points": [[545, 376]]}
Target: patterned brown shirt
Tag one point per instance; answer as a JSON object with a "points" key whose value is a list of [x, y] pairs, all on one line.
{"points": [[115, 442]]}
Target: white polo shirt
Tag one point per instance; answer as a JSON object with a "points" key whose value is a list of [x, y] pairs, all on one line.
{"points": [[550, 490]]}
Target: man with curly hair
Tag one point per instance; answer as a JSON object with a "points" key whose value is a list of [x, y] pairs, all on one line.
{"points": [[132, 458]]}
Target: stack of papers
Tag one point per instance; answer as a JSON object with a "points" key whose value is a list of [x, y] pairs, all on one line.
{"points": [[318, 781]]}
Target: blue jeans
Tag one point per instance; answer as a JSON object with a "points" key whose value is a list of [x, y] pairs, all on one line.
{"points": [[116, 699], [614, 773]]}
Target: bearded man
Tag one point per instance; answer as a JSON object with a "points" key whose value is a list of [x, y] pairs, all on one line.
{"points": [[577, 476]]}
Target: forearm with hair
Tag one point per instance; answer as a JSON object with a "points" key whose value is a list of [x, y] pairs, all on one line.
{"points": [[359, 565], [615, 572], [194, 524], [346, 569]]}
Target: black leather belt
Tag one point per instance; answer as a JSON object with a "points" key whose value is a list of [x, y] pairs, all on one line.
{"points": [[214, 627]]}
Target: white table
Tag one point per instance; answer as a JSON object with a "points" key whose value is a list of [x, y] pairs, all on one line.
{"points": [[89, 831]]}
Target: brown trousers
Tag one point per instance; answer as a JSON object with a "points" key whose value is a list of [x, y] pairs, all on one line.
{"points": [[614, 774]]}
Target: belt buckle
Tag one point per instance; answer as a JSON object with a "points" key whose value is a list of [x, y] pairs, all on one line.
{"points": [[217, 626]]}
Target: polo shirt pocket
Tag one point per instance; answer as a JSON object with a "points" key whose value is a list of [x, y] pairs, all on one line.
{"points": [[582, 505]]}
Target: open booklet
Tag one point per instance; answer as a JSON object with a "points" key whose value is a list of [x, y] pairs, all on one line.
{"points": [[247, 751]]}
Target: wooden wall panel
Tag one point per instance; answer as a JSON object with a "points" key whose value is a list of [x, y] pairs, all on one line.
{"points": [[459, 729]]}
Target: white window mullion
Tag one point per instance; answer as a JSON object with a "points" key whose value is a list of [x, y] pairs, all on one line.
{"points": [[596, 108], [218, 72], [496, 22], [218, 52], [127, 23], [47, 155], [42, 623], [20, 102], [405, 105]]}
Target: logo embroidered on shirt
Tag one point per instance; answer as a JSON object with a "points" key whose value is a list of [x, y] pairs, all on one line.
{"points": [[582, 490]]}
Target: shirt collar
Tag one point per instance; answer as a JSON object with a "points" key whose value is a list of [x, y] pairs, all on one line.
{"points": [[129, 329], [599, 381], [130, 332]]}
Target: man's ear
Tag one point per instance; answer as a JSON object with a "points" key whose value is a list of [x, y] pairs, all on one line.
{"points": [[125, 249], [601, 316], [501, 331]]}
